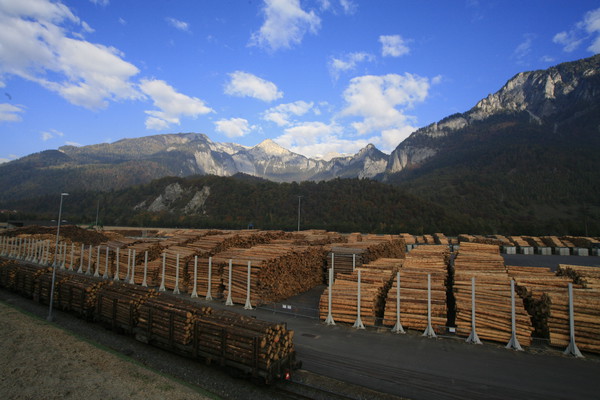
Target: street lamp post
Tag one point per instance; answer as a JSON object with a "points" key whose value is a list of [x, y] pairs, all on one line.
{"points": [[299, 198], [50, 318]]}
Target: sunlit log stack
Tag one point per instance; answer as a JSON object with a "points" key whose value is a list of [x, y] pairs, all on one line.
{"points": [[493, 301], [535, 286], [589, 277], [316, 237], [423, 260], [344, 302], [278, 271]]}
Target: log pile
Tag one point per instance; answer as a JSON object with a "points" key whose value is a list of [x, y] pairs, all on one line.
{"points": [[440, 238], [533, 286], [370, 249], [493, 303], [586, 307], [589, 277], [318, 238], [519, 241], [247, 341], [413, 289], [552, 241], [118, 304], [408, 238], [78, 294], [374, 285], [20, 278], [277, 271], [169, 319]]}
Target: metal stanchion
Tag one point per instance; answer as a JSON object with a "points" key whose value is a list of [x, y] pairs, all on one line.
{"points": [[572, 347], [209, 289], [162, 282], [358, 324], [176, 290], [429, 332], [248, 305], [398, 327], [473, 338], [195, 289], [229, 301], [513, 343]]}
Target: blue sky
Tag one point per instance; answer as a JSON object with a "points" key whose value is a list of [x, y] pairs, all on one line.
{"points": [[316, 76]]}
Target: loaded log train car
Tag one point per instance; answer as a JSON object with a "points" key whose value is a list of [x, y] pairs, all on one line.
{"points": [[242, 344]]}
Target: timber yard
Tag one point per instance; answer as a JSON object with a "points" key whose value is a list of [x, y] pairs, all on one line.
{"points": [[439, 317]]}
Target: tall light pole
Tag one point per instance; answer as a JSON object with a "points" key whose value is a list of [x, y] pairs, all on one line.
{"points": [[54, 265], [299, 198]]}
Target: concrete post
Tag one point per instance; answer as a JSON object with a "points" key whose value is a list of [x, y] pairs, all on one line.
{"points": [[97, 269], [132, 277], [229, 301], [209, 290], [398, 327], [248, 305], [572, 347], [473, 338], [89, 267], [353, 262], [429, 332], [358, 324], [329, 320], [72, 256], [64, 259], [106, 273], [80, 270], [176, 290], [162, 282], [126, 280], [513, 343], [145, 281], [195, 289], [117, 265]]}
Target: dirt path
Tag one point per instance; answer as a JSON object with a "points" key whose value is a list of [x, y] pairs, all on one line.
{"points": [[41, 361]]}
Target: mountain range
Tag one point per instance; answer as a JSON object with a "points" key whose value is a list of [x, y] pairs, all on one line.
{"points": [[523, 158]]}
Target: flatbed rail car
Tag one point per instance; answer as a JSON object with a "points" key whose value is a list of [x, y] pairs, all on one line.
{"points": [[94, 299]]}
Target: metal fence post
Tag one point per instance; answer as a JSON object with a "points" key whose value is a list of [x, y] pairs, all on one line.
{"points": [[329, 320], [195, 289], [162, 282], [209, 289], [145, 281]]}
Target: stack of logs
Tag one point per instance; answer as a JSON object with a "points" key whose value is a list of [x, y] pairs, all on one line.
{"points": [[277, 271], [367, 250], [493, 297], [375, 282], [118, 304], [419, 262]]}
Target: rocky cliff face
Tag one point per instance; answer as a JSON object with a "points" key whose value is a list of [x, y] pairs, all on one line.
{"points": [[544, 95]]}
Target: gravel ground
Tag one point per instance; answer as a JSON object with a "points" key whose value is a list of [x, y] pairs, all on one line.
{"points": [[142, 367], [39, 360]]}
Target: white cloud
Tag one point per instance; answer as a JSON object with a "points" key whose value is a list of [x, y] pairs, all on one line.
{"points": [[10, 113], [52, 133], [37, 47], [282, 113], [103, 3], [172, 105], [69, 143], [393, 45], [285, 25], [122, 21], [588, 29], [349, 6], [177, 24], [320, 140], [347, 62], [244, 84], [234, 127], [380, 103], [524, 48]]}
